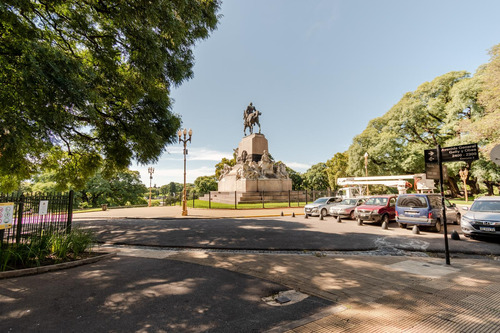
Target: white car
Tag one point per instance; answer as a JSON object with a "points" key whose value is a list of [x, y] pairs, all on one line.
{"points": [[321, 206], [345, 208], [482, 218]]}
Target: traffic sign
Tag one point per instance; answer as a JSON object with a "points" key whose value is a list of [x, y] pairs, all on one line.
{"points": [[431, 156], [453, 154], [460, 153]]}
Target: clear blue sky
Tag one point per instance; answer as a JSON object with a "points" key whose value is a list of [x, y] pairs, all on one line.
{"points": [[318, 71]]}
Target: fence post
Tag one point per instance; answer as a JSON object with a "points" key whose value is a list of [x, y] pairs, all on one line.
{"points": [[306, 196], [289, 202], [193, 199], [20, 209], [70, 211], [263, 199], [209, 200], [235, 204]]}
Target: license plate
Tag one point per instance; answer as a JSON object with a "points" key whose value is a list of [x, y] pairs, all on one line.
{"points": [[409, 212], [365, 215], [489, 229]]}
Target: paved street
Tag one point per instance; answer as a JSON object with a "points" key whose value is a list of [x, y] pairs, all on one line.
{"points": [[206, 274]]}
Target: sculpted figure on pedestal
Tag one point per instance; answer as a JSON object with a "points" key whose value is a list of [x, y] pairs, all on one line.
{"points": [[266, 165]]}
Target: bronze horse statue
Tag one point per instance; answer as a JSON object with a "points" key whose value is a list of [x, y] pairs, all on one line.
{"points": [[250, 120]]}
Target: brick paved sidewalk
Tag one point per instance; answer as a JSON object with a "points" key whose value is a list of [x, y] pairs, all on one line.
{"points": [[379, 293]]}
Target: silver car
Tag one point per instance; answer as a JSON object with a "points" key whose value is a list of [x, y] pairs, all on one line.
{"points": [[321, 206], [345, 208], [483, 218]]}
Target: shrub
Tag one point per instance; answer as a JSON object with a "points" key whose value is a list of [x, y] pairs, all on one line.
{"points": [[49, 245]]}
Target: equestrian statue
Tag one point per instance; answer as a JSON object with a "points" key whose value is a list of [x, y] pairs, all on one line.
{"points": [[250, 118]]}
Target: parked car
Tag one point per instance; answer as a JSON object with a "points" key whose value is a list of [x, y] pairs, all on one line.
{"points": [[377, 209], [345, 208], [321, 206], [482, 218], [424, 210]]}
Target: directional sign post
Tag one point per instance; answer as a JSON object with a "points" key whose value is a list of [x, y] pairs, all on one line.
{"points": [[449, 154], [453, 154]]}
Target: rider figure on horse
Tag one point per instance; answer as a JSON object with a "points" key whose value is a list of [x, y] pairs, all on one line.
{"points": [[250, 109], [250, 118]]}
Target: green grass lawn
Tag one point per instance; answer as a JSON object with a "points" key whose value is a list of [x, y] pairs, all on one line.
{"points": [[217, 205]]}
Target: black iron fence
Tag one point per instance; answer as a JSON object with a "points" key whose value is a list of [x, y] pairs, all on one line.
{"points": [[242, 200], [33, 213]]}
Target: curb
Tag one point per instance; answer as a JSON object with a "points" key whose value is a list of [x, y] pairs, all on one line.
{"points": [[56, 267]]}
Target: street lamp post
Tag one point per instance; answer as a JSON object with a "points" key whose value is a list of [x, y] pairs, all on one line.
{"points": [[151, 171], [183, 137], [366, 172]]}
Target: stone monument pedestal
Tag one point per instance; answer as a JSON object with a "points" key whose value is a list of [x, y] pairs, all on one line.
{"points": [[255, 177]]}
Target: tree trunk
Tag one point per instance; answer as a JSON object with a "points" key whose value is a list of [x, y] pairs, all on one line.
{"points": [[453, 187], [489, 186], [474, 186]]}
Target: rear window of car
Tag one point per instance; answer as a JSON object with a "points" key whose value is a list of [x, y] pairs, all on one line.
{"points": [[351, 202], [376, 202], [412, 201]]}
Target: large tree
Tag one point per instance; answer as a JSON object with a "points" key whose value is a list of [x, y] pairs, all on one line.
{"points": [[205, 184], [482, 125], [336, 168], [316, 177], [92, 79]]}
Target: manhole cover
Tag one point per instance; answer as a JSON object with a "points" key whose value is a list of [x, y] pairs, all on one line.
{"points": [[283, 298]]}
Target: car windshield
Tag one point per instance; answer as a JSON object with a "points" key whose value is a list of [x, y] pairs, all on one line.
{"points": [[485, 206], [320, 200], [376, 202], [350, 202], [412, 201]]}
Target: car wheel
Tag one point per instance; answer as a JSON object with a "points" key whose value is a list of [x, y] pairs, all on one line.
{"points": [[402, 225], [437, 227], [457, 221], [323, 212], [351, 216]]}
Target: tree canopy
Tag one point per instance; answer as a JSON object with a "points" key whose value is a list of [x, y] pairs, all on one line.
{"points": [[90, 80], [205, 184]]}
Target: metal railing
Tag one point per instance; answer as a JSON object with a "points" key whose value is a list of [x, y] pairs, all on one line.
{"points": [[237, 200], [35, 212]]}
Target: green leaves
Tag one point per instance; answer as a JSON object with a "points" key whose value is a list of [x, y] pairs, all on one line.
{"points": [[428, 116], [93, 78]]}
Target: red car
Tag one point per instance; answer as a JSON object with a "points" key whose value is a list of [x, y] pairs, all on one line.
{"points": [[377, 209]]}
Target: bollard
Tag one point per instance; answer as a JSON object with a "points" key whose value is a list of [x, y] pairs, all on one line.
{"points": [[454, 235], [385, 226], [281, 213], [321, 217], [293, 214], [360, 222], [305, 216], [338, 219], [415, 230]]}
